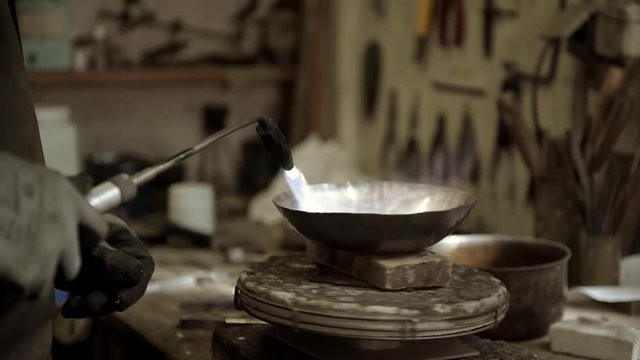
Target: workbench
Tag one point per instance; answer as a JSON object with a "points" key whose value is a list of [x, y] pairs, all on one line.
{"points": [[150, 327]]}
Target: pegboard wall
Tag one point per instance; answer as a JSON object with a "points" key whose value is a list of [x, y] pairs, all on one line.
{"points": [[516, 39]]}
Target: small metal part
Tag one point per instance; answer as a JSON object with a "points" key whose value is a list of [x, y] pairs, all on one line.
{"points": [[111, 193], [470, 90], [104, 196]]}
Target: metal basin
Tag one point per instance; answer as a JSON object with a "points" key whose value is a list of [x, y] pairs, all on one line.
{"points": [[376, 217], [533, 270]]}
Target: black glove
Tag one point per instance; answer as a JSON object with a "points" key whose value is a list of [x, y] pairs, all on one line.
{"points": [[113, 276]]}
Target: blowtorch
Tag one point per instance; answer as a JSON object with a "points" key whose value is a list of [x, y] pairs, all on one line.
{"points": [[123, 187]]}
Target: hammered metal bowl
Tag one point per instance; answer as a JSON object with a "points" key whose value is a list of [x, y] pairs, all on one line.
{"points": [[376, 216]]}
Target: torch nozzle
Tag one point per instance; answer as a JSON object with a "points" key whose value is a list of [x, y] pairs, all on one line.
{"points": [[274, 141]]}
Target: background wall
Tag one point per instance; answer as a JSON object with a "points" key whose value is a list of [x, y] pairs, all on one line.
{"points": [[156, 120], [214, 15], [515, 39]]}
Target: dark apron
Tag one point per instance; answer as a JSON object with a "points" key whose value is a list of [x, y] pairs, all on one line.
{"points": [[25, 331]]}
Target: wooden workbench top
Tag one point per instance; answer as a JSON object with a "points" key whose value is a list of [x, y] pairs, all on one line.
{"points": [[172, 295], [156, 316]]}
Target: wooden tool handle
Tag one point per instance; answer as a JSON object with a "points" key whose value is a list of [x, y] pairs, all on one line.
{"points": [[615, 123], [423, 18], [629, 219], [522, 135]]}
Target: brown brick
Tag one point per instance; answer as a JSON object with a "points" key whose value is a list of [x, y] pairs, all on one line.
{"points": [[391, 272]]}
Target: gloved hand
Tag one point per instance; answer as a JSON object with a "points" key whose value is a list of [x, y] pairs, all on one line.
{"points": [[48, 230], [114, 274], [42, 218]]}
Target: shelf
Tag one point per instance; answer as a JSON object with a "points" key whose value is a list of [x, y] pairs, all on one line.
{"points": [[146, 76]]}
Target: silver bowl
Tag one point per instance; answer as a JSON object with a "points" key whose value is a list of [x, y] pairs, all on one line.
{"points": [[376, 216]]}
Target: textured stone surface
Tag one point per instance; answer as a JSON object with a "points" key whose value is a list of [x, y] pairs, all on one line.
{"points": [[595, 340], [391, 272], [287, 280]]}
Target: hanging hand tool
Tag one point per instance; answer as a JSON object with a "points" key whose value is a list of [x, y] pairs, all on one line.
{"points": [[504, 158], [577, 133], [504, 147], [511, 116], [458, 88], [451, 17], [607, 126], [390, 132], [628, 220], [439, 159], [424, 13], [612, 192], [614, 125], [122, 188], [610, 84], [467, 155], [524, 139], [409, 164], [379, 7], [371, 78], [491, 14]]}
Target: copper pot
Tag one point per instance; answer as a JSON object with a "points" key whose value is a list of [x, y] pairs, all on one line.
{"points": [[533, 270]]}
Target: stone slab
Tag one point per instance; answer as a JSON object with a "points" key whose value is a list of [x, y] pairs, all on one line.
{"points": [[424, 269], [595, 340]]}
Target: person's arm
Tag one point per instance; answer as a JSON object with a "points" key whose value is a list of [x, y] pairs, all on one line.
{"points": [[47, 230]]}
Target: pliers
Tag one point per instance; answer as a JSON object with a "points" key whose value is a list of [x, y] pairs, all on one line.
{"points": [[447, 11]]}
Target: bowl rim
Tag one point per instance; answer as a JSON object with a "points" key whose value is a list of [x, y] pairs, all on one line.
{"points": [[470, 198], [514, 238]]}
